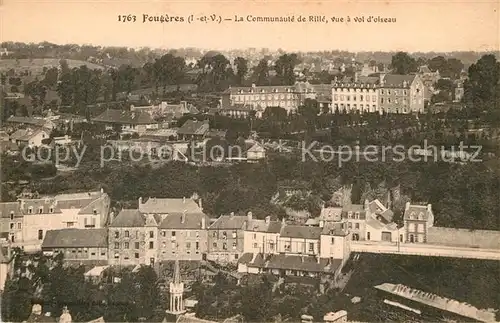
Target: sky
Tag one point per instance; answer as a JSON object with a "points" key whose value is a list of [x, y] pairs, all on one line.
{"points": [[420, 25]]}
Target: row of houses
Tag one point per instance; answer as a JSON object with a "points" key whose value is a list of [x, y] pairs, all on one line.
{"points": [[379, 92], [81, 226]]}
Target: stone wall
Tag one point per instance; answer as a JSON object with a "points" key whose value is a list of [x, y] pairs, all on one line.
{"points": [[487, 239]]}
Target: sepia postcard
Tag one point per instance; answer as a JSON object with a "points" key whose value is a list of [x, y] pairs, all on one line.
{"points": [[240, 161]]}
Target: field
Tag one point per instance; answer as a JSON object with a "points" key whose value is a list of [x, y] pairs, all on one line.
{"points": [[36, 65], [476, 282]]}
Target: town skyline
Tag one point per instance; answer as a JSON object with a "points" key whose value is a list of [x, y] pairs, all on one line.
{"points": [[471, 22]]}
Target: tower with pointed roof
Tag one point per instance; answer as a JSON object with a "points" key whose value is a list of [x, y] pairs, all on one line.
{"points": [[176, 290]]}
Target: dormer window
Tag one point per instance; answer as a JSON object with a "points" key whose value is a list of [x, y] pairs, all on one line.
{"points": [[40, 210], [30, 210], [349, 214], [12, 215], [421, 216], [94, 211], [51, 210], [357, 215]]}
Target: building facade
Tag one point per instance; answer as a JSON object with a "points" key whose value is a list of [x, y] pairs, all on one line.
{"points": [[226, 238], [360, 94], [417, 221], [81, 245], [27, 220]]}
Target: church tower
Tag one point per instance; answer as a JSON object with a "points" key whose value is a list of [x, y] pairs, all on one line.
{"points": [[176, 291]]}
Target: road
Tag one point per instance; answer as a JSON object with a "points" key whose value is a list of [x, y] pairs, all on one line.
{"points": [[424, 250]]}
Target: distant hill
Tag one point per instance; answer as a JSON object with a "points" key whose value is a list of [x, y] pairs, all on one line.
{"points": [[39, 63]]}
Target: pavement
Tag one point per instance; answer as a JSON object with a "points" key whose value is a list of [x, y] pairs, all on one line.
{"points": [[424, 250]]}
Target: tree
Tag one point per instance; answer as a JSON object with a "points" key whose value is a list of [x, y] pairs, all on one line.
{"points": [[284, 67], [261, 73], [241, 69], [402, 63], [482, 89]]}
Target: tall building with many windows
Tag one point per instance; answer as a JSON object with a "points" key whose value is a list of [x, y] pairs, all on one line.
{"points": [[389, 93]]}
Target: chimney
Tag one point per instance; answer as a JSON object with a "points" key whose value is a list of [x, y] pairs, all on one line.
{"points": [[231, 214], [203, 223], [283, 221], [253, 85], [184, 200], [183, 217], [268, 219], [249, 216], [140, 200], [318, 259], [407, 206], [200, 204], [321, 223], [102, 190], [366, 204], [429, 207], [356, 77], [302, 258], [381, 78]]}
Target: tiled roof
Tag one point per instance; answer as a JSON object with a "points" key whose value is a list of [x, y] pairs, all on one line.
{"points": [[128, 218], [288, 262], [331, 214], [124, 117], [169, 205], [7, 207], [335, 229], [417, 212], [27, 120], [396, 80], [191, 319], [100, 204], [229, 222], [191, 221], [263, 226], [26, 134], [76, 238], [193, 127], [301, 232]]}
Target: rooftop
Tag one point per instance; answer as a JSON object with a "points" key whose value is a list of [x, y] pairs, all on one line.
{"points": [[124, 117], [76, 238]]}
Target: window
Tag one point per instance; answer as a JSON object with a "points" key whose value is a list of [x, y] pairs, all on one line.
{"points": [[136, 255], [103, 253], [94, 211], [255, 245], [215, 245], [117, 245], [19, 225], [311, 247], [197, 233], [224, 246], [12, 226], [117, 234], [126, 234], [224, 235], [271, 245], [356, 226], [254, 236], [188, 245], [234, 234], [163, 233], [30, 210], [333, 240], [349, 225], [70, 224], [125, 245], [234, 245], [151, 245], [40, 210], [197, 245], [136, 245], [368, 236], [287, 247], [173, 233], [349, 215], [51, 210], [236, 256], [381, 100], [40, 234], [388, 100], [357, 215], [151, 234], [11, 215], [117, 255]]}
